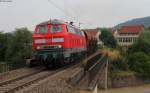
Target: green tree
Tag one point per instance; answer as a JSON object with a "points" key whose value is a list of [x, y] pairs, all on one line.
{"points": [[108, 38], [143, 43], [2, 46], [18, 45], [140, 63]]}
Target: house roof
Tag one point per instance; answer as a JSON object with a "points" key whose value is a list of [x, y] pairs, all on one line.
{"points": [[131, 29]]}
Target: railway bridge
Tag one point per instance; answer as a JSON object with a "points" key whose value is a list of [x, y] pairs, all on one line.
{"points": [[93, 73], [87, 75]]}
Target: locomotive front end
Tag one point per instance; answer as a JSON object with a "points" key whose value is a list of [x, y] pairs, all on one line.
{"points": [[56, 43], [49, 43]]}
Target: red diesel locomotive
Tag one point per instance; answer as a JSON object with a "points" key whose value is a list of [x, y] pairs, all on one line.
{"points": [[57, 42]]}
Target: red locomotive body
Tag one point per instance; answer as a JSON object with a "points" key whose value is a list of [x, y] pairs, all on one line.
{"points": [[57, 40]]}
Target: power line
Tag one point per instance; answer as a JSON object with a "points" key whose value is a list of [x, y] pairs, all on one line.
{"points": [[55, 5], [66, 13], [72, 10]]}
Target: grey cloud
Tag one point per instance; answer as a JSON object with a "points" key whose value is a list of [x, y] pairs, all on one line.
{"points": [[92, 13]]}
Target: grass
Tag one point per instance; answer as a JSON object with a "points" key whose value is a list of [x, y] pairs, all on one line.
{"points": [[111, 54], [120, 74], [4, 67]]}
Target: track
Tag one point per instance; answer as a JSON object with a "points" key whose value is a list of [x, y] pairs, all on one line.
{"points": [[18, 74], [23, 80], [18, 84], [13, 85]]}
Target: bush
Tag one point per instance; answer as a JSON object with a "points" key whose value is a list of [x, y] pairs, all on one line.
{"points": [[122, 74], [140, 63], [2, 46], [14, 48], [19, 45], [120, 65], [142, 44]]}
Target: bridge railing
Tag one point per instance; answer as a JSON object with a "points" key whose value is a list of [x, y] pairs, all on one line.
{"points": [[92, 69], [8, 66]]}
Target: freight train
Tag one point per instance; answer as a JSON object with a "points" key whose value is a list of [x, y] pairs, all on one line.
{"points": [[56, 43]]}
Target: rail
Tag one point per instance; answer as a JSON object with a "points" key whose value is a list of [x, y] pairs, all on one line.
{"points": [[19, 83], [92, 69]]}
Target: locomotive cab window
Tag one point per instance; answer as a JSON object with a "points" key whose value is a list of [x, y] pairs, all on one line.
{"points": [[42, 29], [56, 28]]}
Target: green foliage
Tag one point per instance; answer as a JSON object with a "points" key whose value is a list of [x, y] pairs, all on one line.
{"points": [[137, 57], [140, 63], [122, 74], [143, 43], [120, 65], [18, 45], [2, 46], [108, 38], [14, 48]]}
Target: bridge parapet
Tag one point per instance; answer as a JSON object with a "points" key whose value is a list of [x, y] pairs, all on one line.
{"points": [[91, 71]]}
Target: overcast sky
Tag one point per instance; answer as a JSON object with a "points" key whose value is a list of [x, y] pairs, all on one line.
{"points": [[91, 13]]}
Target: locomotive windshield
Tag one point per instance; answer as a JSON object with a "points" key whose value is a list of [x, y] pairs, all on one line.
{"points": [[55, 28], [42, 29]]}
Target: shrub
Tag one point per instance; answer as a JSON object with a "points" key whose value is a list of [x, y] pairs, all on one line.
{"points": [[140, 63]]}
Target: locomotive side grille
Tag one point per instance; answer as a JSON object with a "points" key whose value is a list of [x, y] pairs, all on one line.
{"points": [[49, 47]]}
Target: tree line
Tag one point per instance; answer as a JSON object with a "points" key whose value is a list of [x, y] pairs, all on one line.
{"points": [[15, 46], [135, 59]]}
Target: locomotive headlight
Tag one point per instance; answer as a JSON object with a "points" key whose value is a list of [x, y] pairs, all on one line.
{"points": [[38, 47], [58, 40], [40, 41], [59, 46]]}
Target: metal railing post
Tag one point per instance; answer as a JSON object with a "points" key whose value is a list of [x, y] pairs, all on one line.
{"points": [[106, 75]]}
